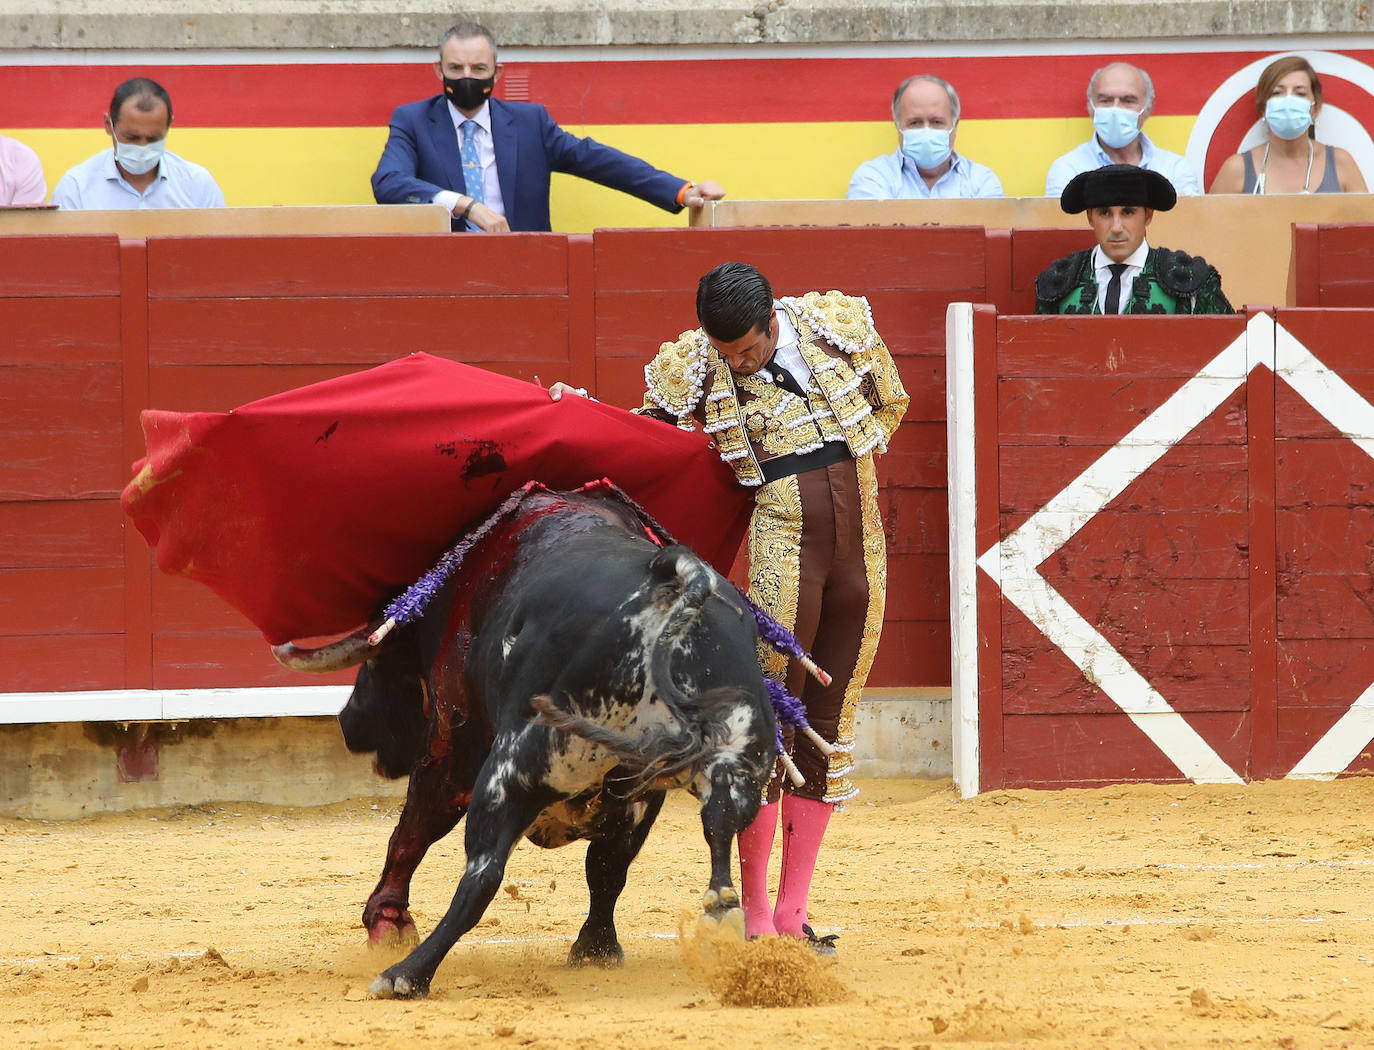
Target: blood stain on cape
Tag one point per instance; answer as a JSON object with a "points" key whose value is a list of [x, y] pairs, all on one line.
{"points": [[485, 459], [329, 432]]}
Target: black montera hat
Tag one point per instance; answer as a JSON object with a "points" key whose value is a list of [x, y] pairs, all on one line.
{"points": [[1118, 185]]}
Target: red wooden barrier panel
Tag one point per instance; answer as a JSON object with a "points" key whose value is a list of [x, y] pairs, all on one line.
{"points": [[1031, 251], [61, 405], [1332, 265], [99, 329], [1171, 522]]}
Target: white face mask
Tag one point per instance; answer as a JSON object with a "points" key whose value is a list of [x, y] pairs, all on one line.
{"points": [[1115, 126], [1288, 116], [139, 160], [928, 147]]}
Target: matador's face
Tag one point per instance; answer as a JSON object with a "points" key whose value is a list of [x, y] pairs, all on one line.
{"points": [[751, 351]]}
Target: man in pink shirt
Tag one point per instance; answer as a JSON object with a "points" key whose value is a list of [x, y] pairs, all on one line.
{"points": [[21, 174]]}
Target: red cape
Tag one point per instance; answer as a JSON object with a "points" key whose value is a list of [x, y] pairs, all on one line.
{"points": [[306, 510]]}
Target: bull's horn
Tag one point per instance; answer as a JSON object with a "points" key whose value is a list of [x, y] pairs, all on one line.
{"points": [[346, 652]]}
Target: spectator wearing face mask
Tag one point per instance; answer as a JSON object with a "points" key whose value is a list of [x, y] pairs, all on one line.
{"points": [[137, 171], [1120, 100], [1290, 160], [489, 161], [926, 112]]}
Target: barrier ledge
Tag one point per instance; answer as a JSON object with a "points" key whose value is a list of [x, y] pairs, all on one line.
{"points": [[181, 222], [172, 705], [62, 769], [1247, 238]]}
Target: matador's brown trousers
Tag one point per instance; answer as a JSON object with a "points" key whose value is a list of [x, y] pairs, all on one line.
{"points": [[818, 565]]}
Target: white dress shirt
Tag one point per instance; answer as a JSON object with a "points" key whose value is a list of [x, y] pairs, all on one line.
{"points": [[96, 183], [1135, 262], [894, 176], [486, 156], [1089, 156], [787, 353]]}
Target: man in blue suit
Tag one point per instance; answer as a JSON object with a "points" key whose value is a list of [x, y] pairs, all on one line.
{"points": [[489, 161]]}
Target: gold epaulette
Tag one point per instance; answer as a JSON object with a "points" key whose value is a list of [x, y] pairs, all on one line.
{"points": [[673, 380], [843, 321]]}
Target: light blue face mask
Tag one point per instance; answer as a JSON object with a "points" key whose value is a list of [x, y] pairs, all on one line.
{"points": [[1115, 126], [928, 147], [1288, 116], [139, 160]]}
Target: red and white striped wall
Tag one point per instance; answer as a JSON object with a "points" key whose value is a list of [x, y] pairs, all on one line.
{"points": [[304, 127], [1161, 532]]}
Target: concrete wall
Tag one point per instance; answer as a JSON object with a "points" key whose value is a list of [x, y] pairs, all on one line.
{"points": [[69, 770], [202, 24]]}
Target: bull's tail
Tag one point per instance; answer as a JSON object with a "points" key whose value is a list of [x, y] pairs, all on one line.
{"points": [[663, 753]]}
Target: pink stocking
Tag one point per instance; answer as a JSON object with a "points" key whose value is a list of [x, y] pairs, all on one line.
{"points": [[755, 846], [803, 826]]}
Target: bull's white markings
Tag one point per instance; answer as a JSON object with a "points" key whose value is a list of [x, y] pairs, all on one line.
{"points": [[507, 644], [737, 733], [503, 773], [1014, 562], [478, 864]]}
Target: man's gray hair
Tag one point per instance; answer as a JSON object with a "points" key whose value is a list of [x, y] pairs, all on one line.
{"points": [[466, 31], [949, 90], [1149, 105]]}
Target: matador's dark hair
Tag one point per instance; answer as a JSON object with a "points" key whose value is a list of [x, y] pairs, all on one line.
{"points": [[733, 300]]}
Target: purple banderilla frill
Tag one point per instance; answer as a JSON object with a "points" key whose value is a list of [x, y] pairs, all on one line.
{"points": [[790, 712]]}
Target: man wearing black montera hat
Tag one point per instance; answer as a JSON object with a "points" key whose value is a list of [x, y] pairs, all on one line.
{"points": [[1123, 274]]}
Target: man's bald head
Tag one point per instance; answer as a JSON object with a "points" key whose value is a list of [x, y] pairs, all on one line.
{"points": [[1122, 84]]}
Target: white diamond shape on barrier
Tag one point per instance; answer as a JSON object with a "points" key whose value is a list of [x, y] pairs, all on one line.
{"points": [[1013, 563]]}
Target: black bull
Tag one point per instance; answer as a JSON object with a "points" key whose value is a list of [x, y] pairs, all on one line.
{"points": [[563, 678]]}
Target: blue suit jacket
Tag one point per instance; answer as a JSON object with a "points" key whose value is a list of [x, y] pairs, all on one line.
{"points": [[421, 158]]}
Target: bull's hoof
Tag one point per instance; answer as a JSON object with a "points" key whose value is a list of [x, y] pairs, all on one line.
{"points": [[723, 924], [390, 927], [396, 986], [596, 945], [607, 958], [390, 935], [723, 899]]}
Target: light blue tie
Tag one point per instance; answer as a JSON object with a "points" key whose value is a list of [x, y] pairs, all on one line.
{"points": [[472, 167]]}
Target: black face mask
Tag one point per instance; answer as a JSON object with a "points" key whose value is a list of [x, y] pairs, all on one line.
{"points": [[468, 92]]}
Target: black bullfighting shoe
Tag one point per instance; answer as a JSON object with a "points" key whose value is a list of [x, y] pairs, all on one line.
{"points": [[822, 945]]}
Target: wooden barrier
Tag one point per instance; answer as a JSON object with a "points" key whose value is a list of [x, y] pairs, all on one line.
{"points": [[183, 222], [1160, 530], [1247, 238], [98, 329], [1332, 265]]}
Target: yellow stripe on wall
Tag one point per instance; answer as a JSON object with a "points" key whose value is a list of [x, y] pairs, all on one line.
{"points": [[303, 166], [254, 166], [808, 161]]}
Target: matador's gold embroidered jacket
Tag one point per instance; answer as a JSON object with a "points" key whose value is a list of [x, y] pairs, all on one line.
{"points": [[855, 394]]}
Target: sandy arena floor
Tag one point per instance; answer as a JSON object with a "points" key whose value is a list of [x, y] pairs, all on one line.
{"points": [[1140, 916]]}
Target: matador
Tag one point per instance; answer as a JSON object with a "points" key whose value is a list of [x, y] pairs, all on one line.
{"points": [[799, 395]]}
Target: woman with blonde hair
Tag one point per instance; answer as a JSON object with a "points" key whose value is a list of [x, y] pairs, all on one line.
{"points": [[1290, 160]]}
